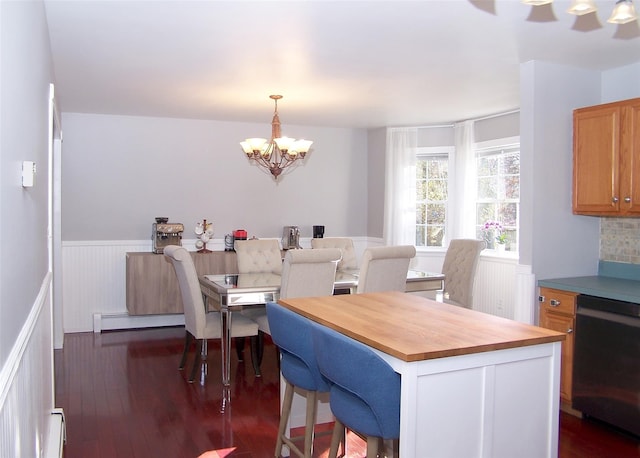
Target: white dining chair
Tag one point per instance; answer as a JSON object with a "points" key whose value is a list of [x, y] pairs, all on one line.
{"points": [[200, 324], [349, 259], [257, 256], [459, 269], [385, 268]]}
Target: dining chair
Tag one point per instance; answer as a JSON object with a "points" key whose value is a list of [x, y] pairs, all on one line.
{"points": [[459, 269], [364, 393], [385, 268], [305, 273], [349, 259], [292, 334], [257, 256], [200, 324]]}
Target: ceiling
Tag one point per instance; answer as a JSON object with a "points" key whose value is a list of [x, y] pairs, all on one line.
{"points": [[338, 63]]}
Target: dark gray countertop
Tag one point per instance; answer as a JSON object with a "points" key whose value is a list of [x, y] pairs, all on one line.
{"points": [[620, 289], [615, 280]]}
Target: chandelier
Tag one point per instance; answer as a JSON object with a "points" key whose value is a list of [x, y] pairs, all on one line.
{"points": [[622, 13], [278, 153]]}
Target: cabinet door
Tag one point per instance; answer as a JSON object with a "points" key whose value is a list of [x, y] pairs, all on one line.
{"points": [[629, 158], [562, 323], [596, 144]]}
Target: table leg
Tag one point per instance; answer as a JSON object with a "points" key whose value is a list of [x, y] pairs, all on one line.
{"points": [[225, 322]]}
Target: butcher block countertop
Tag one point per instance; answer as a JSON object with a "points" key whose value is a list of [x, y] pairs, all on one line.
{"points": [[413, 328]]}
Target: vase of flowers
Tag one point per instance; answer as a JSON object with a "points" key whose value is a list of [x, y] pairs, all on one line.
{"points": [[496, 230]]}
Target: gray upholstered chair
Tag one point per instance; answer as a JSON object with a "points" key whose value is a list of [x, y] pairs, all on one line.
{"points": [[305, 273], [459, 269], [199, 323], [257, 257], [385, 268], [349, 259]]}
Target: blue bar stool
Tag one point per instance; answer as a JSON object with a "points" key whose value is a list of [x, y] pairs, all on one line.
{"points": [[292, 334], [365, 390]]}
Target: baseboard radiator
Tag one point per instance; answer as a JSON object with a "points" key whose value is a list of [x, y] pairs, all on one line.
{"points": [[57, 435]]}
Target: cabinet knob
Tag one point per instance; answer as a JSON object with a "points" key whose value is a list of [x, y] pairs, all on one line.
{"points": [[554, 302], [614, 200], [569, 331], [541, 299], [627, 199]]}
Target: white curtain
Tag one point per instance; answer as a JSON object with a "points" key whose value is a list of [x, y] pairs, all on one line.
{"points": [[462, 211], [400, 187]]}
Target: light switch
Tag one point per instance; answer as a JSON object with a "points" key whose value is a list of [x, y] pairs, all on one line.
{"points": [[28, 173]]}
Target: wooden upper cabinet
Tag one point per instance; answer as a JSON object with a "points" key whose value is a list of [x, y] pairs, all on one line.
{"points": [[606, 169]]}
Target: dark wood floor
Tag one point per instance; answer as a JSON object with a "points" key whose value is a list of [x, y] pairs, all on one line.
{"points": [[124, 397]]}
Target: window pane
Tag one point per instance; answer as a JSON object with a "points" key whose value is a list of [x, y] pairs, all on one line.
{"points": [[437, 190], [436, 214], [435, 235], [420, 236], [421, 169], [421, 190], [421, 214], [512, 187], [487, 188]]}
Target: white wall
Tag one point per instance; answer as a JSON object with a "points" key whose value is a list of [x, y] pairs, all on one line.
{"points": [[377, 142], [26, 353], [119, 172], [621, 83]]}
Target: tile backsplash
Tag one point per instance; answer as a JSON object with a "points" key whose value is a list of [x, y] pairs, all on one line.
{"points": [[620, 240]]}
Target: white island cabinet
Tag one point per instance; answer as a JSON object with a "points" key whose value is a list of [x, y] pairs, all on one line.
{"points": [[473, 385]]}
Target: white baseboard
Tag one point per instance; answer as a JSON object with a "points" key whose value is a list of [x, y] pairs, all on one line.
{"points": [[106, 322]]}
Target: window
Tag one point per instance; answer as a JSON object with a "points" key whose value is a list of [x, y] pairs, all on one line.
{"points": [[498, 188], [432, 181]]}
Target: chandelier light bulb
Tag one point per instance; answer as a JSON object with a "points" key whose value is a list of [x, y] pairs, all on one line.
{"points": [[623, 12], [581, 7]]}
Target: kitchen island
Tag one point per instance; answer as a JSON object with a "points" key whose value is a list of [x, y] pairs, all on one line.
{"points": [[473, 385]]}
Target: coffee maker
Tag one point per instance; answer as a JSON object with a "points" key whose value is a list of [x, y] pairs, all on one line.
{"points": [[290, 238], [166, 233]]}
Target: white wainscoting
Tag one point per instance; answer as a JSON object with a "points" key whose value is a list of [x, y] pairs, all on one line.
{"points": [[502, 286], [94, 283], [26, 384], [495, 287]]}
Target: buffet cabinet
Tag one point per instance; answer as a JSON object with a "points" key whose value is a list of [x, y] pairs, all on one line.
{"points": [[558, 312], [152, 286], [606, 159]]}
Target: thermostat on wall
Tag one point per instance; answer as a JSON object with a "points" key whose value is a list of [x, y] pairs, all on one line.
{"points": [[28, 173]]}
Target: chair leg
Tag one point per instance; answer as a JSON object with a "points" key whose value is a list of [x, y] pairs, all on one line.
{"points": [[187, 343], [337, 437], [372, 446], [312, 405], [196, 361], [257, 343], [240, 348], [284, 417]]}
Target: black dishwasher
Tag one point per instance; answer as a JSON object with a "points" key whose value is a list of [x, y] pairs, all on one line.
{"points": [[606, 371]]}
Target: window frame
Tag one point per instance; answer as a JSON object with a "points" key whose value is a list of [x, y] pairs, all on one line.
{"points": [[488, 147], [447, 151]]}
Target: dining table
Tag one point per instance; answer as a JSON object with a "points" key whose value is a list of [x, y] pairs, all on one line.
{"points": [[228, 293], [472, 384]]}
